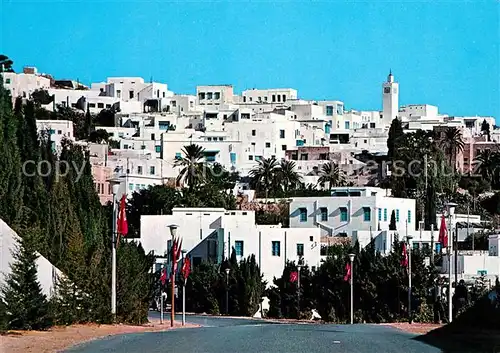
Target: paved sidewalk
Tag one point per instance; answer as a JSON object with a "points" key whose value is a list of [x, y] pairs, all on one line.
{"points": [[59, 338]]}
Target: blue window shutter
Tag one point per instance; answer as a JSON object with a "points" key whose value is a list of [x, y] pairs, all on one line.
{"points": [[324, 214], [397, 215], [379, 214], [385, 214], [366, 214], [343, 214], [233, 157], [303, 214]]}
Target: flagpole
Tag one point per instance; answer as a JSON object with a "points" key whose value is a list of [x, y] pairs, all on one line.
{"points": [[183, 293], [113, 255], [451, 210], [161, 297], [409, 237], [173, 232], [351, 257]]}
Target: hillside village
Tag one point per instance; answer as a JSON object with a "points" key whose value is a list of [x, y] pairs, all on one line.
{"points": [[259, 178]]}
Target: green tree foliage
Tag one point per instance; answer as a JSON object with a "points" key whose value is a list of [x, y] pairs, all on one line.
{"points": [[61, 214], [6, 64], [156, 200], [134, 288], [25, 304], [284, 296], [331, 175], [206, 287], [452, 142], [11, 188], [192, 166], [41, 97], [69, 305], [99, 136], [263, 176], [392, 223], [106, 117], [419, 170], [485, 129], [395, 132], [380, 287]]}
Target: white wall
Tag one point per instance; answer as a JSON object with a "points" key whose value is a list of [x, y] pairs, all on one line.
{"points": [[272, 95], [46, 272], [355, 205], [58, 129], [24, 84], [195, 225]]}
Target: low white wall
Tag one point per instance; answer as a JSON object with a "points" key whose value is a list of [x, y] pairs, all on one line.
{"points": [[47, 273]]}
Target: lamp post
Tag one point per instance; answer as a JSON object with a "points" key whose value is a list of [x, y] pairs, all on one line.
{"points": [[351, 258], [161, 297], [300, 263], [116, 186], [409, 238], [183, 293], [227, 290], [173, 232], [451, 211]]}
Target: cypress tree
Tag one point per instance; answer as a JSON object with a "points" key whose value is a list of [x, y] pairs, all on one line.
{"points": [[11, 190], [26, 306], [392, 223]]}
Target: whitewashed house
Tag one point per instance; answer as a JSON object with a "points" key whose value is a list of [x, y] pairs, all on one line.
{"points": [[210, 234]]}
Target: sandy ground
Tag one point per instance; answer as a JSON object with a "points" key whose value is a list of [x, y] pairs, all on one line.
{"points": [[416, 328], [59, 338]]}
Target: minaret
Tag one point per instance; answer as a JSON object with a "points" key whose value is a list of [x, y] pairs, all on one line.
{"points": [[390, 101]]}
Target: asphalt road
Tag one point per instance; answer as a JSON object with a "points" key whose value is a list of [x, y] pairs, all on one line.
{"points": [[251, 336]]}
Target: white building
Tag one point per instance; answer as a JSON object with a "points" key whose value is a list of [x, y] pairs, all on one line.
{"points": [[210, 234], [471, 264], [271, 95], [363, 213], [265, 136], [57, 129], [25, 83], [214, 94], [137, 170]]}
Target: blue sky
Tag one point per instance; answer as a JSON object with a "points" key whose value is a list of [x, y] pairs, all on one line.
{"points": [[444, 53]]}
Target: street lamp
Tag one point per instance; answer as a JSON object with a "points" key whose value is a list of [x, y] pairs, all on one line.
{"points": [[115, 188], [351, 258], [227, 290], [409, 238], [173, 233], [183, 293], [300, 263], [451, 211]]}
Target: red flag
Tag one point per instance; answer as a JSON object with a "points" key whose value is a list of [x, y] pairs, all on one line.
{"points": [[294, 276], [347, 276], [121, 223], [163, 277], [174, 255], [186, 268], [179, 249], [443, 235], [404, 260]]}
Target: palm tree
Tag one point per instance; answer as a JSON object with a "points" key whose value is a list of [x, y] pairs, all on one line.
{"points": [[487, 164], [192, 166], [264, 174], [330, 173], [452, 142], [287, 175]]}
